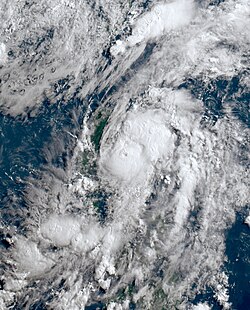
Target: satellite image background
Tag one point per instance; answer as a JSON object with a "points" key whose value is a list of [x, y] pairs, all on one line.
{"points": [[124, 155]]}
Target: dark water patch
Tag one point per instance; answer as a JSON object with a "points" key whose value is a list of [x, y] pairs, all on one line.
{"points": [[193, 224], [121, 294], [11, 55], [242, 108], [107, 56], [127, 291], [62, 85], [101, 209], [97, 98], [127, 31], [151, 199], [100, 203], [239, 95], [96, 306], [34, 49], [48, 36], [209, 3], [233, 48], [219, 94], [20, 148], [144, 57], [238, 265], [29, 144], [22, 141], [5, 240], [208, 297], [39, 294], [39, 305], [210, 96], [243, 155], [160, 267], [237, 268], [215, 2], [101, 292], [145, 4], [2, 283]]}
